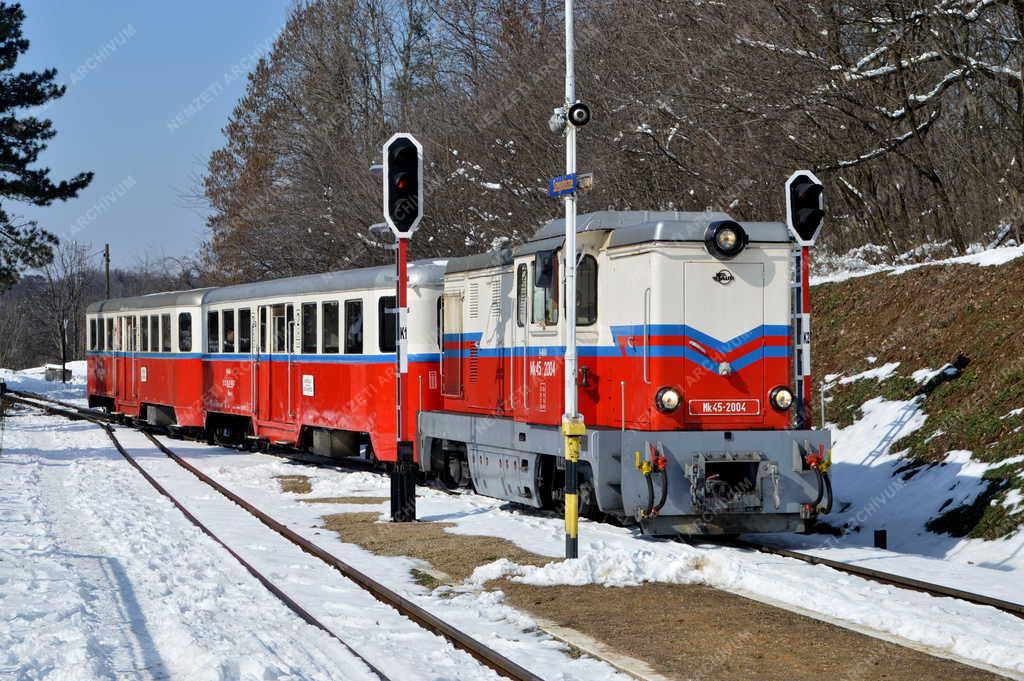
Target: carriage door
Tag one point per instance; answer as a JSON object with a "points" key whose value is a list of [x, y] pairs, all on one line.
{"points": [[541, 360], [276, 397], [126, 388]]}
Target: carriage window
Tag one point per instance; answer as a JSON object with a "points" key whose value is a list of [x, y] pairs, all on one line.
{"points": [[165, 333], [586, 291], [144, 333], [387, 323], [309, 328], [245, 330], [154, 333], [185, 332], [263, 330], [282, 318], [353, 327], [110, 334], [229, 330], [132, 334], [522, 294], [545, 300], [101, 342], [330, 327], [213, 332], [92, 334]]}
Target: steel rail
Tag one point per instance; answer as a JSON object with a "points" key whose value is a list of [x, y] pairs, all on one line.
{"points": [[424, 618], [74, 413], [885, 577]]}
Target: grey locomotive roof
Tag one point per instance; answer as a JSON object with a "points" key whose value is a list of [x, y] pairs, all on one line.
{"points": [[639, 226], [480, 261], [421, 273]]}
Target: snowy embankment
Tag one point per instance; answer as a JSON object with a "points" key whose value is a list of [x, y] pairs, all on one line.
{"points": [[840, 268]]}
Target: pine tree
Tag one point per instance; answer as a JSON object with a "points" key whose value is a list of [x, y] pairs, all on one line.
{"points": [[23, 244]]}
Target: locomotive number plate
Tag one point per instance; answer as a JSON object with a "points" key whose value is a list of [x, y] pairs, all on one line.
{"points": [[725, 407]]}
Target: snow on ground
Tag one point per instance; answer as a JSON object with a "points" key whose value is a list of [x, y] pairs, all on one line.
{"points": [[855, 264], [615, 556], [101, 577], [610, 555]]}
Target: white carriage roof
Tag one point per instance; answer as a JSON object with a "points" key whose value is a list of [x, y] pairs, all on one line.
{"points": [[421, 273]]}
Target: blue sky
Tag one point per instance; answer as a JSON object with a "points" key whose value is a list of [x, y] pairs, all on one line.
{"points": [[150, 85]]}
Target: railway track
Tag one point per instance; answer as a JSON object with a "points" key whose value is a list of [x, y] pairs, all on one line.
{"points": [[892, 579], [422, 617]]}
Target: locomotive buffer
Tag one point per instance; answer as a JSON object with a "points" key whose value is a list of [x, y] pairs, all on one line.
{"points": [[403, 211]]}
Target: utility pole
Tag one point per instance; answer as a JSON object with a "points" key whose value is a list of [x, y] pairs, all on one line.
{"points": [[106, 267], [573, 428]]}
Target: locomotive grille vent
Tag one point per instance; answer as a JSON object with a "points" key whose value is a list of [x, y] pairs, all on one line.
{"points": [[472, 363], [495, 299], [474, 301]]}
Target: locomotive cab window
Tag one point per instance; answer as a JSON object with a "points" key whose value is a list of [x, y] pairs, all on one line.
{"points": [[92, 334], [165, 333], [245, 330], [110, 334], [545, 299], [353, 327], [213, 332], [586, 291], [184, 332], [309, 328], [522, 294], [387, 323], [101, 342], [330, 322]]}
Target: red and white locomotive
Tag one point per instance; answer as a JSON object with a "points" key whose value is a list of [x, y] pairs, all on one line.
{"points": [[687, 361]]}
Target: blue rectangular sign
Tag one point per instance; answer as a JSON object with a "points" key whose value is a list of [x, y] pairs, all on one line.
{"points": [[562, 185]]}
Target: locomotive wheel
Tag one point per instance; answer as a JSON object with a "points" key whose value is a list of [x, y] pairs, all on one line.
{"points": [[455, 473], [588, 501]]}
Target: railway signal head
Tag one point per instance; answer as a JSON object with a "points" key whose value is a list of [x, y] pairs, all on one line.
{"points": [[805, 207], [403, 184]]}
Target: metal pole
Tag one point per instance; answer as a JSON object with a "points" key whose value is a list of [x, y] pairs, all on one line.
{"points": [[106, 266], [805, 292], [573, 427], [403, 477]]}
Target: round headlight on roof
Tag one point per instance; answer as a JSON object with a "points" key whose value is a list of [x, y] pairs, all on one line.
{"points": [[725, 239]]}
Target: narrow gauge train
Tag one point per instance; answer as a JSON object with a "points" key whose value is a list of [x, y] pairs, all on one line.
{"points": [[686, 346]]}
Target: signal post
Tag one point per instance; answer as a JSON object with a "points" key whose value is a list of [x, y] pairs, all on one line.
{"points": [[403, 211]]}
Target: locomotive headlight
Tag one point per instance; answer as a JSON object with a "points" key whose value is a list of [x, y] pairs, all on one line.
{"points": [[781, 398], [667, 399], [725, 239]]}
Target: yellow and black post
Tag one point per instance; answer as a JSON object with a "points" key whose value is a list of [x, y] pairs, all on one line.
{"points": [[573, 430]]}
